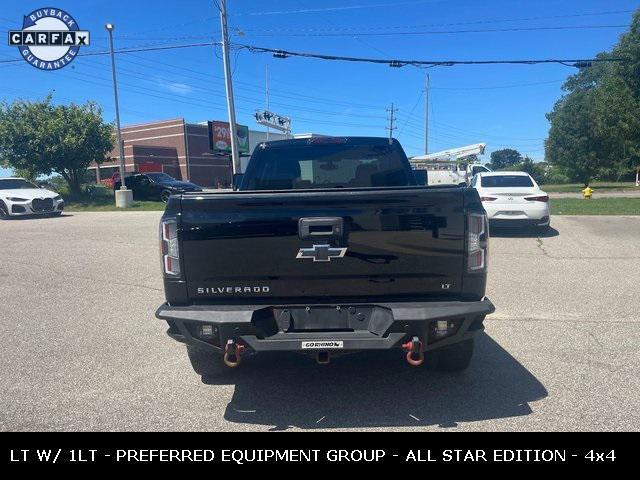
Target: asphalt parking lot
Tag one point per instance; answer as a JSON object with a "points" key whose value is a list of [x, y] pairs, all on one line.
{"points": [[82, 350]]}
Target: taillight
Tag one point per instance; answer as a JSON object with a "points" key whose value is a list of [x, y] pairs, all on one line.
{"points": [[169, 247], [478, 234], [488, 199], [539, 198]]}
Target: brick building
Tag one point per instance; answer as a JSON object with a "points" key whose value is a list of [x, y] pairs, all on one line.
{"points": [[177, 148]]}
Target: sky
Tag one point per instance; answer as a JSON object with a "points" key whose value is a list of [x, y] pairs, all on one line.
{"points": [[501, 105]]}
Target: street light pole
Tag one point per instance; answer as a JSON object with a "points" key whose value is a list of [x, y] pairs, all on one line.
{"points": [[266, 77], [235, 157], [124, 197], [426, 116]]}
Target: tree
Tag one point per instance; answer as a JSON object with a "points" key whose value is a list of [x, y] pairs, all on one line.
{"points": [[540, 171], [26, 174], [595, 126], [41, 138], [505, 158], [572, 141]]}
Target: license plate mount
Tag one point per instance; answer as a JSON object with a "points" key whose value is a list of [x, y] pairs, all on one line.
{"points": [[314, 318]]}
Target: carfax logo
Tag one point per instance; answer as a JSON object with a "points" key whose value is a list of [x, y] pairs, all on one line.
{"points": [[50, 38]]}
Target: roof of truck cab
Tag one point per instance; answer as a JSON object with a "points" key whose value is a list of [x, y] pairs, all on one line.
{"points": [[325, 140]]}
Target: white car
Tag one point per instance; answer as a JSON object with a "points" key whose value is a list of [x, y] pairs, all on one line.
{"points": [[20, 197], [512, 199]]}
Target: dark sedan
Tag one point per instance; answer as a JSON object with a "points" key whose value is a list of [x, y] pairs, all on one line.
{"points": [[156, 186]]}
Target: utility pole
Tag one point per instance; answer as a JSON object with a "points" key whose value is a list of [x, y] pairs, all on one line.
{"points": [[391, 119], [124, 197], [231, 110], [426, 116], [266, 76]]}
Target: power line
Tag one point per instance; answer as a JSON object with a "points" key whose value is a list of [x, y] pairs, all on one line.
{"points": [[332, 9], [135, 89], [458, 132], [422, 92], [295, 107], [133, 74], [279, 53], [444, 32], [429, 25], [156, 41], [416, 128], [198, 75], [202, 76], [438, 138], [133, 50], [407, 124], [500, 87], [298, 97]]}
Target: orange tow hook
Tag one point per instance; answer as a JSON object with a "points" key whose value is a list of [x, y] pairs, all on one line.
{"points": [[415, 355], [233, 353]]}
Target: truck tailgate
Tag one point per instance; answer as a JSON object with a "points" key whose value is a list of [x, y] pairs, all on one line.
{"points": [[400, 243]]}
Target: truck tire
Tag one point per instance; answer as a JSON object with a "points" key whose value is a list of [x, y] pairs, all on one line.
{"points": [[204, 361], [164, 196], [453, 358]]}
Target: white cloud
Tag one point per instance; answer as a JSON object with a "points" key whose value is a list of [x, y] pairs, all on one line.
{"points": [[176, 87]]}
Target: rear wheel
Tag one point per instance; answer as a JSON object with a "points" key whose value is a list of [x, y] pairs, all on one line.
{"points": [[453, 358], [56, 214], [205, 361], [4, 213], [164, 196]]}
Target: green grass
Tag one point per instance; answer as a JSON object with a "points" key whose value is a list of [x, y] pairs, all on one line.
{"points": [[595, 206], [108, 204], [597, 186]]}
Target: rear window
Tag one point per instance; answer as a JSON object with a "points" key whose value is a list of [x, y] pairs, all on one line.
{"points": [[497, 181], [327, 166], [160, 177]]}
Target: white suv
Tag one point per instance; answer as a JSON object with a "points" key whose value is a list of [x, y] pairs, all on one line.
{"points": [[512, 199]]}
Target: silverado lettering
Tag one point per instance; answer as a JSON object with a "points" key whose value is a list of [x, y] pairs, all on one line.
{"points": [[214, 290]]}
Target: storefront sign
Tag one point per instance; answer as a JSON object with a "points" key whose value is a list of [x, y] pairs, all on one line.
{"points": [[220, 137]]}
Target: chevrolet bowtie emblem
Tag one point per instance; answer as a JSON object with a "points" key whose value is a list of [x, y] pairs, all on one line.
{"points": [[321, 253]]}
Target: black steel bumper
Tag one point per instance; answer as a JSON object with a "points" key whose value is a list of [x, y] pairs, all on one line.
{"points": [[352, 326]]}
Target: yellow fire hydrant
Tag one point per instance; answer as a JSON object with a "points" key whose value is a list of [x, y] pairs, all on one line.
{"points": [[587, 192]]}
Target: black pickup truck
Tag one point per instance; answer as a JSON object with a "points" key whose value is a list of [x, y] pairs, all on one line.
{"points": [[328, 247]]}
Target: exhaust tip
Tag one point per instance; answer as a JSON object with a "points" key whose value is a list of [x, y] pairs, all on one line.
{"points": [[323, 357]]}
